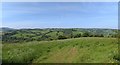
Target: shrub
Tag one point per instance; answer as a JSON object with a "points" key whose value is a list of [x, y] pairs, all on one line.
{"points": [[86, 34], [77, 36], [62, 37]]}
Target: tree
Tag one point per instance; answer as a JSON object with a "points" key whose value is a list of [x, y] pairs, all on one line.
{"points": [[101, 35], [77, 36], [62, 37], [86, 34]]}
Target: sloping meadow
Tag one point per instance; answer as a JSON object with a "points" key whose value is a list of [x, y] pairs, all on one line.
{"points": [[76, 50]]}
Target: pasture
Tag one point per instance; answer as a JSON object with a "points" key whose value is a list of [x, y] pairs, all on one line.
{"points": [[74, 50]]}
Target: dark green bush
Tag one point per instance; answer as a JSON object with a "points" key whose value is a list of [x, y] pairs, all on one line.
{"points": [[62, 37]]}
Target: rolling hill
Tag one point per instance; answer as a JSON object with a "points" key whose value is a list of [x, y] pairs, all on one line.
{"points": [[48, 34]]}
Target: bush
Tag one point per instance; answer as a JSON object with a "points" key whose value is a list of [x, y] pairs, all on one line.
{"points": [[77, 36], [117, 57], [86, 34], [62, 37]]}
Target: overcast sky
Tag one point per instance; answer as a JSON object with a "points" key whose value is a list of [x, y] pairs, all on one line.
{"points": [[60, 15]]}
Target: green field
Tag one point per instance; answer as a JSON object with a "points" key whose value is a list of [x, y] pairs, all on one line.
{"points": [[74, 50]]}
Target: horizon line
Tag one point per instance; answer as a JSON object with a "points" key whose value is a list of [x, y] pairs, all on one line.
{"points": [[61, 28]]}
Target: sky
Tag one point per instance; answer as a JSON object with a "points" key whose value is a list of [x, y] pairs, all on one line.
{"points": [[60, 15]]}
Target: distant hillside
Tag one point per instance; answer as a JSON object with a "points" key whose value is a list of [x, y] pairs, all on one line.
{"points": [[48, 34], [6, 29]]}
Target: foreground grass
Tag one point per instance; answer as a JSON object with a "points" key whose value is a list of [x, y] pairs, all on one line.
{"points": [[79, 50]]}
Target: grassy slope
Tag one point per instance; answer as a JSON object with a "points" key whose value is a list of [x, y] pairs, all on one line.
{"points": [[0, 50], [79, 50]]}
